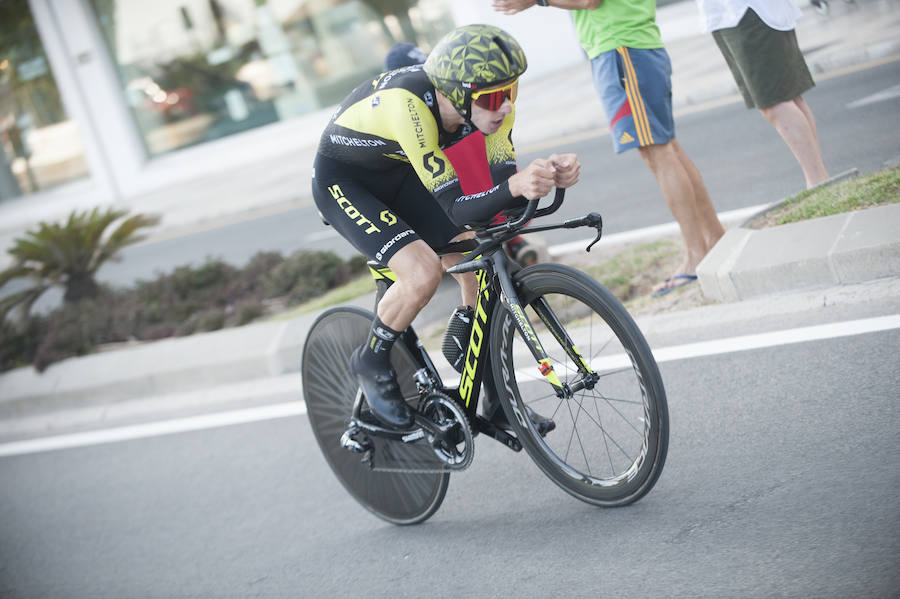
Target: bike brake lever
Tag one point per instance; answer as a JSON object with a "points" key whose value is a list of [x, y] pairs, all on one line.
{"points": [[594, 220]]}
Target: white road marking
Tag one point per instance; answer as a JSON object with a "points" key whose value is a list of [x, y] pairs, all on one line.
{"points": [[882, 96], [778, 338], [743, 343], [289, 409], [154, 429]]}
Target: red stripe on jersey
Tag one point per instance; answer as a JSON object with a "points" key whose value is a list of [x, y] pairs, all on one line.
{"points": [[469, 159]]}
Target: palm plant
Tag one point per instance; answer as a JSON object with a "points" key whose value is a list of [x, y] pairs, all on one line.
{"points": [[68, 254]]}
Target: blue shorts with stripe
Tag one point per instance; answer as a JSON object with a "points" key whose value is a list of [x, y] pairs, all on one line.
{"points": [[635, 87]]}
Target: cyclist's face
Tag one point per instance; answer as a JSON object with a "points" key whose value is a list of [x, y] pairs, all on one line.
{"points": [[489, 121]]}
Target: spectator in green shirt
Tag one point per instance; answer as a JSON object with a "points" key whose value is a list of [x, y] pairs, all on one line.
{"points": [[633, 77]]}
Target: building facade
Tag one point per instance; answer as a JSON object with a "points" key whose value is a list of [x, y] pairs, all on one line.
{"points": [[104, 100]]}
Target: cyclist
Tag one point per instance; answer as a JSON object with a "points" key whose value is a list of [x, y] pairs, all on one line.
{"points": [[382, 179], [468, 157]]}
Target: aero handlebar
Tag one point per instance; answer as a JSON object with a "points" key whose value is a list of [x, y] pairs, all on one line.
{"points": [[531, 211]]}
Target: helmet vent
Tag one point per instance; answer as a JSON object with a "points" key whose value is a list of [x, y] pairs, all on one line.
{"points": [[504, 48]]}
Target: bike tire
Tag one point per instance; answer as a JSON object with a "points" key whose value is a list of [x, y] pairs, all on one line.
{"points": [[330, 390], [610, 442]]}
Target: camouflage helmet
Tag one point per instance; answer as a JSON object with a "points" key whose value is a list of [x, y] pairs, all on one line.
{"points": [[472, 57]]}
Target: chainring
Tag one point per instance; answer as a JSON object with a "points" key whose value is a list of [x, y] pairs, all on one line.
{"points": [[457, 451]]}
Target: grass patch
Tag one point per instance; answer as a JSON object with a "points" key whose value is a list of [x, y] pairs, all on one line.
{"points": [[877, 189], [339, 295], [633, 272]]}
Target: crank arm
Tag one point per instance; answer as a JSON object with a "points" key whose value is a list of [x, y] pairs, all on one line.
{"points": [[483, 425]]}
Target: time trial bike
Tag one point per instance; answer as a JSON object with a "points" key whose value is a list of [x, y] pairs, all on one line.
{"points": [[554, 341]]}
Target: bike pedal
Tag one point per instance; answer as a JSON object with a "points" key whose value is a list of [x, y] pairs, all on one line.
{"points": [[350, 442]]}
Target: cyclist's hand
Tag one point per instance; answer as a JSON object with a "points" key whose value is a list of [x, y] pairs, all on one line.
{"points": [[534, 181], [567, 169]]}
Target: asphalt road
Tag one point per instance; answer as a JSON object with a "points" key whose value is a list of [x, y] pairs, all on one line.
{"points": [[781, 481], [740, 156]]}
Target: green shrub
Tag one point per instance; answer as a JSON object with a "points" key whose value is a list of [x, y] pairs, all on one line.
{"points": [[68, 255], [188, 300], [303, 275], [18, 345], [248, 312]]}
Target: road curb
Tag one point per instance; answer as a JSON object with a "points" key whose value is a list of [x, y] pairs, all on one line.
{"points": [[834, 250], [167, 366]]}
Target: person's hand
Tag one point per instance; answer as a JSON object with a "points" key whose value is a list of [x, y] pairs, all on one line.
{"points": [[566, 169], [511, 7], [534, 181]]}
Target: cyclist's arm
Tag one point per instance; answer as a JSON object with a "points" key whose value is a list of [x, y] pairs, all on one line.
{"points": [[417, 133]]}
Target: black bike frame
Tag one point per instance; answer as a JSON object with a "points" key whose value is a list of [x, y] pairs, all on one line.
{"points": [[494, 271]]}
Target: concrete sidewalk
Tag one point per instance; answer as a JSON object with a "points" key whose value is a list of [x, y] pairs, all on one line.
{"points": [[258, 364]]}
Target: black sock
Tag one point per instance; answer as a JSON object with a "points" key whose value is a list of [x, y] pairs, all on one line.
{"points": [[379, 343]]}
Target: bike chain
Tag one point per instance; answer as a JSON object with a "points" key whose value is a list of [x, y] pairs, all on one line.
{"points": [[415, 470], [441, 470]]}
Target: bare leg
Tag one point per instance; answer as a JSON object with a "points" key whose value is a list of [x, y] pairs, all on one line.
{"points": [[794, 122], [687, 198], [418, 271], [807, 112], [710, 225], [468, 282]]}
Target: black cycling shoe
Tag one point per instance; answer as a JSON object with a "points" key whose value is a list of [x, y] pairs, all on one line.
{"points": [[382, 393]]}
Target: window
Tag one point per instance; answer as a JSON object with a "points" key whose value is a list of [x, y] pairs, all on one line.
{"points": [[40, 147], [197, 70]]}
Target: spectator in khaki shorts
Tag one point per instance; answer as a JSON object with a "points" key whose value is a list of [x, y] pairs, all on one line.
{"points": [[758, 41]]}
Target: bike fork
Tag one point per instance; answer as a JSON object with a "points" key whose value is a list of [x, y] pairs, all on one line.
{"points": [[526, 331]]}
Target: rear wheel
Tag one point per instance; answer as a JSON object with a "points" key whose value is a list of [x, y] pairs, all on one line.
{"points": [[396, 493], [611, 439]]}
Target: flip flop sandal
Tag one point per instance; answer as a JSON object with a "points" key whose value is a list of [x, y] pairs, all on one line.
{"points": [[682, 280]]}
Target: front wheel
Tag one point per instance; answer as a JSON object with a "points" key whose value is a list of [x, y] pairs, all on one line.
{"points": [[611, 438]]}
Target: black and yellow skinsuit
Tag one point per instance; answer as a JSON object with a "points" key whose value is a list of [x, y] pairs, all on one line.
{"points": [[363, 184]]}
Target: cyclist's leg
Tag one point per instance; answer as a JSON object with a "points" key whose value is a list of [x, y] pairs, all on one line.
{"points": [[420, 210], [347, 199]]}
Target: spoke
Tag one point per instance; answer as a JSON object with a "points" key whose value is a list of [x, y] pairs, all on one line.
{"points": [[575, 434], [620, 400], [612, 466], [558, 406], [572, 434], [607, 435], [612, 372], [602, 348], [549, 396], [621, 415], [581, 408]]}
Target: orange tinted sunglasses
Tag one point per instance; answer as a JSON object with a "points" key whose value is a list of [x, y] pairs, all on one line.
{"points": [[493, 99]]}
